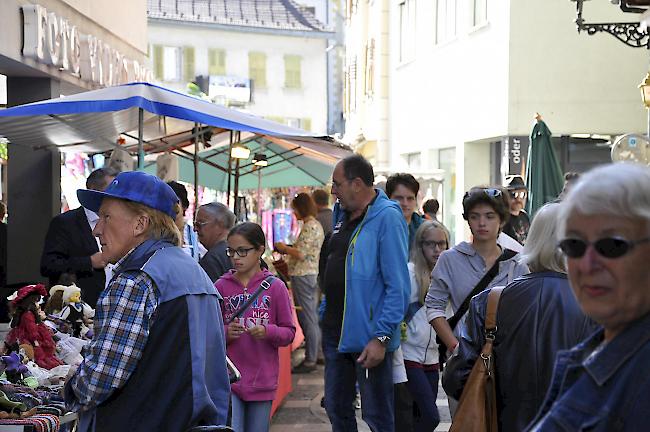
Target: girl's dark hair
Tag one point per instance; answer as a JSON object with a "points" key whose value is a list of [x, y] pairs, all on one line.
{"points": [[252, 232], [25, 305], [304, 205], [495, 197]]}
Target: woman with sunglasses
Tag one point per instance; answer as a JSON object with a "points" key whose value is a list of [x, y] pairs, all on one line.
{"points": [[459, 269], [537, 316], [603, 383], [253, 339], [420, 348]]}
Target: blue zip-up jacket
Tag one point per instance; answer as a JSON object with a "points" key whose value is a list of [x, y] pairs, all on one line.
{"points": [[377, 286]]}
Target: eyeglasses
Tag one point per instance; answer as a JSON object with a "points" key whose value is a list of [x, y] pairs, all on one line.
{"points": [[608, 247], [242, 252], [432, 244], [201, 224], [520, 194]]}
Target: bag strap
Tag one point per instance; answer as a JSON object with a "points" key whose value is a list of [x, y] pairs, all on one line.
{"points": [[412, 309], [480, 286], [491, 314], [264, 285]]}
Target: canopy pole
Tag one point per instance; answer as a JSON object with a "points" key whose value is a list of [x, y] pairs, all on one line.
{"points": [[229, 168], [236, 207], [196, 168], [140, 139], [259, 195]]}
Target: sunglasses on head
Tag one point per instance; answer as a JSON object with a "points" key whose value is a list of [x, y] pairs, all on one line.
{"points": [[491, 192], [607, 247]]}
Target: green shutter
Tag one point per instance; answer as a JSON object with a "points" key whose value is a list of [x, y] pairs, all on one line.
{"points": [[158, 61], [306, 124], [188, 64], [216, 61], [292, 75], [257, 69]]}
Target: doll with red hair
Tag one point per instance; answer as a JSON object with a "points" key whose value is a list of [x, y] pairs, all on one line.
{"points": [[27, 326]]}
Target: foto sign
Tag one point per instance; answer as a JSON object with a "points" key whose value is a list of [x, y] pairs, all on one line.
{"points": [[54, 41]]}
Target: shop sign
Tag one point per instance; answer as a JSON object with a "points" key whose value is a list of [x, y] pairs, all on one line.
{"points": [[516, 151], [53, 40]]}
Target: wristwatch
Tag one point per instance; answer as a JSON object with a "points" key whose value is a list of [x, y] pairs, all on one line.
{"points": [[384, 340]]}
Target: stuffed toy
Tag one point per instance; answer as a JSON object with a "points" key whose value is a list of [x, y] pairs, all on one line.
{"points": [[78, 313], [27, 326]]}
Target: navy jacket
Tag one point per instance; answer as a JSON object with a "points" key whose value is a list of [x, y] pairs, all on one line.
{"points": [[607, 392], [537, 316], [181, 379]]}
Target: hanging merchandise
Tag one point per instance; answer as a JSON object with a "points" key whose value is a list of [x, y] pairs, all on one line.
{"points": [[167, 167], [121, 159]]}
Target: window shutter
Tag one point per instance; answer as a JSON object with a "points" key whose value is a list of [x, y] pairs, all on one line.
{"points": [[292, 72], [216, 61], [188, 64], [257, 69], [158, 61]]}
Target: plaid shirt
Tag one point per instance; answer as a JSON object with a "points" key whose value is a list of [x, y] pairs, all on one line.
{"points": [[124, 315]]}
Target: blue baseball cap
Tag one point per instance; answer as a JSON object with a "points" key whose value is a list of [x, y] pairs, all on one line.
{"points": [[135, 186]]}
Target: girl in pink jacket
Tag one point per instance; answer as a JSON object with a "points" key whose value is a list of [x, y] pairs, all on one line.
{"points": [[253, 339]]}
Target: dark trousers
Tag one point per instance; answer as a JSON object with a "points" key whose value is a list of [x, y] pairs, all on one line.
{"points": [[423, 386]]}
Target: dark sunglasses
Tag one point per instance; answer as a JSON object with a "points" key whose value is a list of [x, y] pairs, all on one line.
{"points": [[491, 192], [608, 247]]}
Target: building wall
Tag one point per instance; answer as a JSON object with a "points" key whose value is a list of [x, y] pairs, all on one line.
{"points": [[275, 101], [579, 83]]}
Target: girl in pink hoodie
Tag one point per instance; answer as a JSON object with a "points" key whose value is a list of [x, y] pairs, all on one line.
{"points": [[253, 339]]}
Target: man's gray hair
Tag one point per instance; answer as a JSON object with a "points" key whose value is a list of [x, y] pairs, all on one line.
{"points": [[620, 190], [541, 252], [220, 213], [97, 179]]}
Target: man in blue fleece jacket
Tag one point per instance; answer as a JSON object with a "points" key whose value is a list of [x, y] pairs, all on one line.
{"points": [[367, 289]]}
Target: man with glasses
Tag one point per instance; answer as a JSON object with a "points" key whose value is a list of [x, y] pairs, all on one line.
{"points": [[367, 289], [212, 223], [519, 223]]}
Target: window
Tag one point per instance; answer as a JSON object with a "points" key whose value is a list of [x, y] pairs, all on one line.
{"points": [[292, 75], [257, 69], [413, 160], [406, 30], [370, 68], [171, 64], [216, 61], [445, 20], [479, 13], [188, 64]]}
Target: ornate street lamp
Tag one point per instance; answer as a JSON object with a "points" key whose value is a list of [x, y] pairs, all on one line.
{"points": [[632, 34]]}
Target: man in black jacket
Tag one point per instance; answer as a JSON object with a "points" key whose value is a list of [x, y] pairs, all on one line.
{"points": [[70, 246]]}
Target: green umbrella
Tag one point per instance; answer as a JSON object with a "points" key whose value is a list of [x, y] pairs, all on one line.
{"points": [[543, 173]]}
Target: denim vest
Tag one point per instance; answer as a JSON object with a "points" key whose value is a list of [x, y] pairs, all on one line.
{"points": [[609, 391]]}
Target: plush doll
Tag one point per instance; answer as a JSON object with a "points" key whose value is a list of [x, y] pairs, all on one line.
{"points": [[27, 326], [78, 313]]}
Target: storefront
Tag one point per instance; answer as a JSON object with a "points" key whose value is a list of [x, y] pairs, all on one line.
{"points": [[52, 48]]}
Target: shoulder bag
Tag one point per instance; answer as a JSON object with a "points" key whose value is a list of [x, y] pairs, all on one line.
{"points": [[477, 408], [462, 310]]}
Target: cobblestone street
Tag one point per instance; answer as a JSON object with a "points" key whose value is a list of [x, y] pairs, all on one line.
{"points": [[301, 410]]}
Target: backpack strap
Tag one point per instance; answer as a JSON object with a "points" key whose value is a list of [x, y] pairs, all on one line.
{"points": [[491, 314]]}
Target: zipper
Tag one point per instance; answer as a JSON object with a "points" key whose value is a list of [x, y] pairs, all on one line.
{"points": [[350, 252]]}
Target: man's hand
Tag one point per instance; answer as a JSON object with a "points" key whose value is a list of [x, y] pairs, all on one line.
{"points": [[97, 260], [235, 329], [372, 354], [258, 332]]}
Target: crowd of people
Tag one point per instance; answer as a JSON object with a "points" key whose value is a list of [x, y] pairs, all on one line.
{"points": [[384, 299]]}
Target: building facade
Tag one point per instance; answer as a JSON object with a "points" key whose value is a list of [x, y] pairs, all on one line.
{"points": [[268, 58], [465, 79], [51, 48]]}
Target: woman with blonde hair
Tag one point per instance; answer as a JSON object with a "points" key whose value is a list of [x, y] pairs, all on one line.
{"points": [[420, 348], [537, 316]]}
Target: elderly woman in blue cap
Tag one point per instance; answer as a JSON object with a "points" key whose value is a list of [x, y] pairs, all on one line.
{"points": [[157, 361]]}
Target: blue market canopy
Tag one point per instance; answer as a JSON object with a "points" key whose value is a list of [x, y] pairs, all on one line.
{"points": [[92, 122]]}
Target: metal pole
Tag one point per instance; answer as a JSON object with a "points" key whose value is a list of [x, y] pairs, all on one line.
{"points": [[140, 138], [259, 195], [236, 207], [196, 169], [229, 168]]}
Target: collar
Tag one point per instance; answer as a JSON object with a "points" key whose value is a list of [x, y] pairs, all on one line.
{"points": [[91, 215], [618, 351], [465, 248], [122, 260], [347, 213]]}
